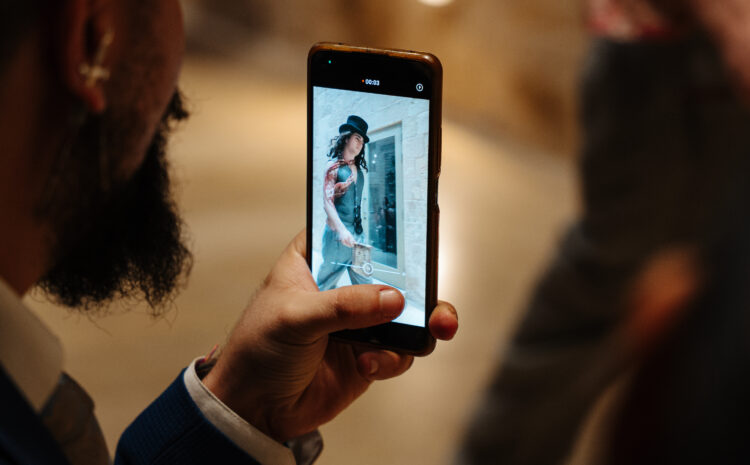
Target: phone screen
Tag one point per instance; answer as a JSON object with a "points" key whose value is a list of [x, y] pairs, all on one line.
{"points": [[369, 181]]}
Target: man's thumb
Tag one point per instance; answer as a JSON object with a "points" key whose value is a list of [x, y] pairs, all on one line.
{"points": [[353, 307]]}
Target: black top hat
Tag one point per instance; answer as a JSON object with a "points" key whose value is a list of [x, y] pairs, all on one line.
{"points": [[355, 124]]}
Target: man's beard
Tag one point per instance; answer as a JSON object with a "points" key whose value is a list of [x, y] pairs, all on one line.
{"points": [[123, 241]]}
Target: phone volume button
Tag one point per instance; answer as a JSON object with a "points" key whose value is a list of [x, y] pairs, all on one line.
{"points": [[440, 150], [437, 193]]}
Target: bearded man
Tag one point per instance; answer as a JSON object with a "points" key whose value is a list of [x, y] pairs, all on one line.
{"points": [[87, 97]]}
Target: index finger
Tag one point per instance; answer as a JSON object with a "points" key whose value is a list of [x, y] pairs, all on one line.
{"points": [[292, 269], [299, 243], [444, 321]]}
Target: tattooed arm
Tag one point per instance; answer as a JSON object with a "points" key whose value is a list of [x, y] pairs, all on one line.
{"points": [[331, 190]]}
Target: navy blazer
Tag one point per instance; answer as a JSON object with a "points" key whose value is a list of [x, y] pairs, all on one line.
{"points": [[172, 430]]}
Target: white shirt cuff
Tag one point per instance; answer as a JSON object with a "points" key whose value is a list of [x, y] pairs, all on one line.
{"points": [[248, 438]]}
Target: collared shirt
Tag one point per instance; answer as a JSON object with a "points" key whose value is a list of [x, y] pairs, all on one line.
{"points": [[33, 358], [31, 355], [263, 449]]}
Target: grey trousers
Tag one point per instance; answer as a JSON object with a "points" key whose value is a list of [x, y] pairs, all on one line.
{"points": [[336, 257]]}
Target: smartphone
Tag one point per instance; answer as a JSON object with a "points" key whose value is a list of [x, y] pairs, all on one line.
{"points": [[373, 162]]}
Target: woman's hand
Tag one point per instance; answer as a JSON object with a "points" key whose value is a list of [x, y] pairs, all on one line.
{"points": [[345, 237]]}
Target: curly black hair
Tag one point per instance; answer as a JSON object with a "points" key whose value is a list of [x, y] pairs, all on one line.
{"points": [[337, 150]]}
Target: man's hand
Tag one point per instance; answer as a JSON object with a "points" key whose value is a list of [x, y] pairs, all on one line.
{"points": [[346, 237], [281, 372]]}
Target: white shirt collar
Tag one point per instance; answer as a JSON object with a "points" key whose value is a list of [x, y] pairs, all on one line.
{"points": [[29, 353]]}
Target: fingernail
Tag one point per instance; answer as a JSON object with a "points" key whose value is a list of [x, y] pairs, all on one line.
{"points": [[374, 367], [390, 302]]}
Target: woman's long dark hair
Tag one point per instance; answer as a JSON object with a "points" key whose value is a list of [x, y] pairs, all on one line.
{"points": [[337, 150]]}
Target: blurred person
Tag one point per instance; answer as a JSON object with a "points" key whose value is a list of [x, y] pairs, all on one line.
{"points": [[88, 96], [641, 314], [343, 183]]}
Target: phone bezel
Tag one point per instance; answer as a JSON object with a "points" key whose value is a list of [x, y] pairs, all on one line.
{"points": [[371, 62]]}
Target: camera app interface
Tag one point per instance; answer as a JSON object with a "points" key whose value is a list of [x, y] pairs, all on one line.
{"points": [[369, 193]]}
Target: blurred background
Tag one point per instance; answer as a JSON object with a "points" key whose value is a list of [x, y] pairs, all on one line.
{"points": [[507, 189]]}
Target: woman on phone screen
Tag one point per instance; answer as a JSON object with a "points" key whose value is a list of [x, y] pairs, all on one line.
{"points": [[342, 198]]}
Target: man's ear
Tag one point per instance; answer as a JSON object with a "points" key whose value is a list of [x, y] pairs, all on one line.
{"points": [[85, 35], [661, 293]]}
